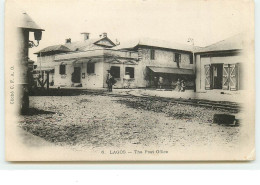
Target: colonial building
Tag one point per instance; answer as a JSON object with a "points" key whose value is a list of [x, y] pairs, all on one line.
{"points": [[219, 66], [162, 59], [133, 64], [85, 63]]}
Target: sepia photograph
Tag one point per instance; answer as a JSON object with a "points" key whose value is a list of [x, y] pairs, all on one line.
{"points": [[129, 80]]}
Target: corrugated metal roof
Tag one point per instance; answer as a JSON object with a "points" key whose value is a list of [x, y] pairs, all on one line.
{"points": [[170, 70], [81, 45], [54, 48], [44, 68], [235, 42], [76, 46], [154, 43]]}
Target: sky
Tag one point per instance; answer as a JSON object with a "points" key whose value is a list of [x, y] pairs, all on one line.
{"points": [[206, 21]]}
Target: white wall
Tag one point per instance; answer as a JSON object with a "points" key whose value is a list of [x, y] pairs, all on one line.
{"points": [[95, 80], [63, 80], [120, 81], [201, 61]]}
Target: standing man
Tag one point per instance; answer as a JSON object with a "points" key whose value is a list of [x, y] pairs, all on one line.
{"points": [[110, 81]]}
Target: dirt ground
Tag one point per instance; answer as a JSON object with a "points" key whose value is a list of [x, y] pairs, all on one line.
{"points": [[90, 121]]}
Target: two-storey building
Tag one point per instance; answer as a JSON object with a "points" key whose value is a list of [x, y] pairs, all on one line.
{"points": [[162, 59]]}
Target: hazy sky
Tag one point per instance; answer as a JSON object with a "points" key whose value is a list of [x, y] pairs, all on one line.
{"points": [[207, 21]]}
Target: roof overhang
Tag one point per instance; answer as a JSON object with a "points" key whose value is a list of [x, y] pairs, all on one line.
{"points": [[44, 69], [220, 52], [170, 70]]}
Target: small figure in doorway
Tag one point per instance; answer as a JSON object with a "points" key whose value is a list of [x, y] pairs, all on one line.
{"points": [[183, 86]]}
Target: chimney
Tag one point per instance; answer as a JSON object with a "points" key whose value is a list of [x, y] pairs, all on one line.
{"points": [[103, 35], [68, 40], [85, 36]]}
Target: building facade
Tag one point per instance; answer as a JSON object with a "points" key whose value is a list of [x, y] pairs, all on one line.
{"points": [[162, 60], [137, 65]]}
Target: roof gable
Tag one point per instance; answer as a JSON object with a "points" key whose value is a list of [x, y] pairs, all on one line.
{"points": [[106, 42], [155, 43]]}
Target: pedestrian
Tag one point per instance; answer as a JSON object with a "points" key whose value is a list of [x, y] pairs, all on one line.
{"points": [[155, 81], [127, 80], [178, 85], [183, 86], [110, 81], [160, 82]]}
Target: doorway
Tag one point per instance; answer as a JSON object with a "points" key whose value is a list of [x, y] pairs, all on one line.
{"points": [[76, 76], [217, 76]]}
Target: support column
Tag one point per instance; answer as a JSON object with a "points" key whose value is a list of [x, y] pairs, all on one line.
{"points": [[22, 63]]}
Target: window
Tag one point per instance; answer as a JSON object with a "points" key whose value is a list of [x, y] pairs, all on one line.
{"points": [[177, 58], [115, 71], [130, 71], [90, 68], [62, 69], [152, 54]]}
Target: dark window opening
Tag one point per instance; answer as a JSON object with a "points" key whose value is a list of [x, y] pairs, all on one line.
{"points": [[62, 69], [90, 68], [152, 54], [177, 58], [130, 71], [191, 59], [115, 71], [217, 75]]}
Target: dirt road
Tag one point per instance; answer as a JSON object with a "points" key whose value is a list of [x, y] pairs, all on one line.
{"points": [[100, 121]]}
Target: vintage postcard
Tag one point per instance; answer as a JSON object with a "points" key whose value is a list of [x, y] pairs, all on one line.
{"points": [[115, 80]]}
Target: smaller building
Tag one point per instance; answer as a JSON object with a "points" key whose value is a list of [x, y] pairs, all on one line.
{"points": [[219, 67]]}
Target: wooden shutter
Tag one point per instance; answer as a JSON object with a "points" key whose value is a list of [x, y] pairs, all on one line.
{"points": [[208, 84], [233, 77], [225, 83]]}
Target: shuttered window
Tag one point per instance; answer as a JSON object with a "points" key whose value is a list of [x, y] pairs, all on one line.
{"points": [[225, 83], [233, 75], [208, 77]]}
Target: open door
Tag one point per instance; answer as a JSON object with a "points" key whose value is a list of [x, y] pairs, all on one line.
{"points": [[76, 76]]}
